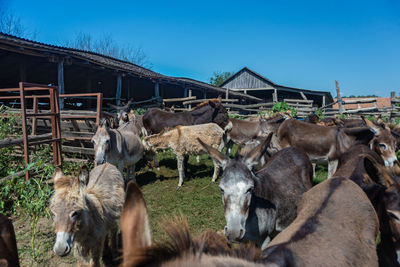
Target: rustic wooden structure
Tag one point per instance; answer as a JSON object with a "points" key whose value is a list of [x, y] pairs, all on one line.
{"points": [[76, 71], [251, 83]]}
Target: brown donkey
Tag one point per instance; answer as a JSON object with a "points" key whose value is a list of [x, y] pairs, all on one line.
{"points": [[328, 143], [8, 243], [210, 249], [86, 209]]}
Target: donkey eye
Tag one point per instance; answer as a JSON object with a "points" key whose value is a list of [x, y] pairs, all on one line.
{"points": [[74, 215], [383, 146]]}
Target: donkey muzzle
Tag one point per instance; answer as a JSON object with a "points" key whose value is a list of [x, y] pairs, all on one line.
{"points": [[234, 235], [63, 244]]}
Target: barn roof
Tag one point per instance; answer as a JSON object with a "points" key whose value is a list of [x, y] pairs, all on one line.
{"points": [[278, 86], [21, 45]]}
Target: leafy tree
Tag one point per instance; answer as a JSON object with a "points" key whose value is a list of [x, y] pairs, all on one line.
{"points": [[106, 45], [219, 77]]}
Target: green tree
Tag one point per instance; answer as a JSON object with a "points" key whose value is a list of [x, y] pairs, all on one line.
{"points": [[219, 77]]}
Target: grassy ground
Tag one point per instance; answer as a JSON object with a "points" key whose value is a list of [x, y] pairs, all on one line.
{"points": [[199, 200]]}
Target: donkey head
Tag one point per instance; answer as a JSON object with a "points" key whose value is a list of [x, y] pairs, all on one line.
{"points": [[237, 185], [383, 143], [68, 208], [101, 142], [211, 111]]}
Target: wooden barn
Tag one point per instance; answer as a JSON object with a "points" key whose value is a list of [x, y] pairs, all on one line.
{"points": [[251, 83], [77, 71]]}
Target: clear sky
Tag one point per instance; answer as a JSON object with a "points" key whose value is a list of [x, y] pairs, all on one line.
{"points": [[305, 44]]}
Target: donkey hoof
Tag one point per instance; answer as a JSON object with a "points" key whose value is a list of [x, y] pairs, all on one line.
{"points": [[178, 187]]}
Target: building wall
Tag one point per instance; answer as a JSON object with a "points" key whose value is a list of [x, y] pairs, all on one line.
{"points": [[246, 80]]}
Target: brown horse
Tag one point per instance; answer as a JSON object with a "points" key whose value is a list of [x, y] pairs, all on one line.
{"points": [[155, 120]]}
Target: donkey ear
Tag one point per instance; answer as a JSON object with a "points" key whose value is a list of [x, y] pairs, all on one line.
{"points": [[253, 157], [135, 227], [83, 176], [375, 129], [58, 173], [219, 158]]}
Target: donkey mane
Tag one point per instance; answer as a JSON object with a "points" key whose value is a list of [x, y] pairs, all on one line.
{"points": [[181, 244], [207, 102]]}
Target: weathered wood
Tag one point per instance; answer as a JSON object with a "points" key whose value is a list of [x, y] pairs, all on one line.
{"points": [[119, 89], [287, 100], [79, 150], [341, 107], [18, 141], [303, 95], [60, 81], [275, 96], [202, 100], [168, 100], [157, 89], [361, 100], [190, 95]]}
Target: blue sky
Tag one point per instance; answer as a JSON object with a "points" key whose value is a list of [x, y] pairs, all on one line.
{"points": [[305, 44]]}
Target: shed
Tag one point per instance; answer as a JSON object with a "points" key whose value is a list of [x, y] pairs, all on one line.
{"points": [[78, 71], [251, 83]]}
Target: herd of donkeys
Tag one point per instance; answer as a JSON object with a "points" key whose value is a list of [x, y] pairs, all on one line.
{"points": [[272, 208]]}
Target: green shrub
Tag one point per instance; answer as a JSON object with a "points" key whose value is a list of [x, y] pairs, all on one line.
{"points": [[283, 107]]}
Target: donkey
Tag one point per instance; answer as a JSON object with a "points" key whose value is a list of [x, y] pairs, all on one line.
{"points": [[120, 147], [8, 243], [244, 132], [366, 168], [156, 120], [257, 205], [327, 143], [210, 249], [336, 225], [86, 209]]}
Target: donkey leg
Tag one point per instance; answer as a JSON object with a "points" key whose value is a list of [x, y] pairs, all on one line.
{"points": [[181, 169], [332, 166], [216, 171], [314, 165], [185, 163]]}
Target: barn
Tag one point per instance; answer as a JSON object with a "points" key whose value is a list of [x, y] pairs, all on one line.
{"points": [[77, 71], [251, 83]]}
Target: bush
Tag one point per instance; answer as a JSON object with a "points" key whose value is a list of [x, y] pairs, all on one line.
{"points": [[283, 107]]}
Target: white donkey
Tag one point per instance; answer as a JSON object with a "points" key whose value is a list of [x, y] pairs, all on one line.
{"points": [[120, 147]]}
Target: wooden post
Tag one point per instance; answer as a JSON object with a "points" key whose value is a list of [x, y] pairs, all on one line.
{"points": [[303, 96], [339, 98], [157, 89], [61, 81], [22, 71], [24, 127], [275, 96], [392, 94], [323, 101], [34, 119], [190, 94], [227, 93], [119, 89], [99, 107]]}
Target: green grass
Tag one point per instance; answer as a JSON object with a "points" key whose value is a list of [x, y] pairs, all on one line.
{"points": [[199, 199]]}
